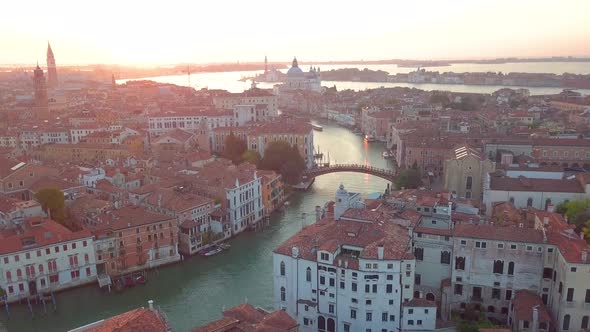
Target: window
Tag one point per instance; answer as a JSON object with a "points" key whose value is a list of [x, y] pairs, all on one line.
{"points": [[308, 274], [389, 288], [324, 256], [525, 324], [584, 322], [346, 327], [375, 288], [566, 322], [587, 298], [495, 293], [458, 289], [384, 317], [463, 243], [513, 246], [331, 308], [419, 322], [511, 268], [369, 316], [353, 286], [547, 272], [508, 294], [283, 268], [417, 279], [410, 322], [445, 257], [322, 280], [342, 285], [570, 295], [367, 288], [479, 244], [459, 263], [469, 183], [352, 314], [498, 267], [419, 253], [16, 258], [283, 294], [500, 245], [529, 202]]}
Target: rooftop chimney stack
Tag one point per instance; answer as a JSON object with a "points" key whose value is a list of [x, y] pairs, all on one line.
{"points": [[535, 327], [151, 305], [380, 252]]}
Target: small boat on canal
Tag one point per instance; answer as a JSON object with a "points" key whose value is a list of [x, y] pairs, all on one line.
{"points": [[224, 246], [317, 127], [213, 250]]}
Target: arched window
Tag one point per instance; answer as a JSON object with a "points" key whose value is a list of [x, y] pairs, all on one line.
{"points": [[547, 203], [445, 257], [19, 273], [566, 322], [529, 202], [308, 274], [491, 308], [8, 276], [511, 268], [459, 263], [321, 324], [469, 183], [41, 268], [331, 325], [499, 267], [283, 294], [282, 268], [584, 322]]}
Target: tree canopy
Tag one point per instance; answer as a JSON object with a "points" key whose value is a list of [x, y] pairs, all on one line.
{"points": [[234, 148], [281, 157], [408, 178], [252, 157], [53, 202]]}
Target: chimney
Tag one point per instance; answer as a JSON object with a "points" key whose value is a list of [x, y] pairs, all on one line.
{"points": [[151, 305], [318, 212], [584, 256], [545, 220], [380, 251], [535, 327]]}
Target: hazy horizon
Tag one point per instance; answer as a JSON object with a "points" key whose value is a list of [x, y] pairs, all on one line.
{"points": [[227, 32]]}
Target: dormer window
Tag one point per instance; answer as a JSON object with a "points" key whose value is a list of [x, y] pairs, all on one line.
{"points": [[324, 256]]}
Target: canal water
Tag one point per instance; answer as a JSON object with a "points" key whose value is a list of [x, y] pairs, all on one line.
{"points": [[196, 291], [231, 80]]}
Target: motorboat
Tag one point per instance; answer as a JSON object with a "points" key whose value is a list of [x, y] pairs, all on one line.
{"points": [[213, 250], [369, 138], [224, 246], [387, 154], [317, 127]]}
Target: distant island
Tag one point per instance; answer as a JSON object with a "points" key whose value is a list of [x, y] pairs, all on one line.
{"points": [[421, 76]]}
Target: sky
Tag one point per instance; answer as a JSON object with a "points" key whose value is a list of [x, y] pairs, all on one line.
{"points": [[134, 32]]}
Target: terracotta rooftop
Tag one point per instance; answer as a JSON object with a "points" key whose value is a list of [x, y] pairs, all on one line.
{"points": [[173, 200], [131, 216], [246, 318], [37, 232], [524, 301], [536, 185], [419, 303], [136, 320], [331, 234], [489, 232]]}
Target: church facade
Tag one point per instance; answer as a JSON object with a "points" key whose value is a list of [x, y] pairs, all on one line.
{"points": [[297, 79]]}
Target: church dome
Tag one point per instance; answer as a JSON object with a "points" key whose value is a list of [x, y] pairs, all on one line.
{"points": [[295, 70]]}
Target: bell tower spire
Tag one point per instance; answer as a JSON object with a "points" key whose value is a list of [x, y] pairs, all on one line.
{"points": [[51, 68]]}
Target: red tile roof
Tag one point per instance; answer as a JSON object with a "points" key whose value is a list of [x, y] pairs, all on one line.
{"points": [[37, 232], [524, 301], [541, 185], [419, 303], [489, 232], [368, 235], [137, 320]]}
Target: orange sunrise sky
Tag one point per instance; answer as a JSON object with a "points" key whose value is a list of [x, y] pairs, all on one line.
{"points": [[174, 31]]}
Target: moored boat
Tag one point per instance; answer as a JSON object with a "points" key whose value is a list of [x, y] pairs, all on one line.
{"points": [[317, 127], [213, 250]]}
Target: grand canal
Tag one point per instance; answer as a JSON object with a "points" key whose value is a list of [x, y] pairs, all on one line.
{"points": [[196, 291]]}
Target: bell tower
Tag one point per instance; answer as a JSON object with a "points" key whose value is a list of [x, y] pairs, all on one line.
{"points": [[51, 69]]}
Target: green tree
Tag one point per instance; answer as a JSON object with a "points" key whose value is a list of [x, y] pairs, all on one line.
{"points": [[234, 148], [252, 157], [439, 98], [281, 157], [586, 231], [53, 202], [408, 178]]}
